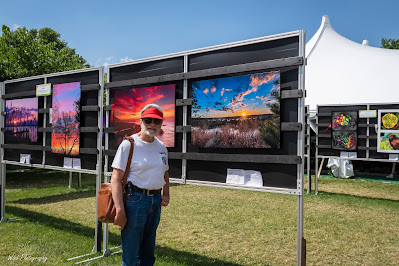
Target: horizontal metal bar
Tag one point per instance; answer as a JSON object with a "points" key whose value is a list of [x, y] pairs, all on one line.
{"points": [[184, 102], [90, 108], [109, 130], [324, 135], [44, 110], [323, 124], [357, 159], [366, 125], [245, 158], [323, 146], [291, 126], [289, 85], [367, 148], [107, 107], [52, 167], [323, 114], [44, 129], [180, 129], [20, 94], [88, 150], [277, 63], [291, 94], [242, 187], [90, 87], [366, 137], [23, 147], [110, 152], [89, 129]]}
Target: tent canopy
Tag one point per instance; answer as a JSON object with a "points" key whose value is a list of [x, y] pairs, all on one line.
{"points": [[340, 71]]}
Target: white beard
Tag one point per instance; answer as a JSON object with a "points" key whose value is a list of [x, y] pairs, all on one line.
{"points": [[151, 133]]}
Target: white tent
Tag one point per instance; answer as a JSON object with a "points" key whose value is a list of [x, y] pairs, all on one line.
{"points": [[340, 71]]}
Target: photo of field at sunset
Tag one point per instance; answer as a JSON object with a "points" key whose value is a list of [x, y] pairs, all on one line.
{"points": [[21, 120], [237, 112], [128, 104], [65, 136]]}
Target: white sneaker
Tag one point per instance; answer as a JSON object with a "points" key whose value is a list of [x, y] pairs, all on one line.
{"points": [[389, 176]]}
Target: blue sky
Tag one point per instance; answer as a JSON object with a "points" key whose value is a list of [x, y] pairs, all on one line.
{"points": [[105, 32], [236, 96]]}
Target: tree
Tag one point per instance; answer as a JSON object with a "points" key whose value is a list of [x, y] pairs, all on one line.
{"points": [[25, 53], [390, 43]]}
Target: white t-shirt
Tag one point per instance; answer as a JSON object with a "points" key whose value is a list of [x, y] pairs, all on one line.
{"points": [[149, 162]]}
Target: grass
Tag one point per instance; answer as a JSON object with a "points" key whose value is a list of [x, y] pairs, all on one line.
{"points": [[350, 222]]}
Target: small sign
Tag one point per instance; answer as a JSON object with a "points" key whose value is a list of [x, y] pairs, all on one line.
{"points": [[367, 113], [393, 157], [24, 158], [76, 163], [43, 90], [67, 162]]}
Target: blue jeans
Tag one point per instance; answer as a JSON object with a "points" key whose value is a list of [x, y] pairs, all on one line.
{"points": [[138, 236]]}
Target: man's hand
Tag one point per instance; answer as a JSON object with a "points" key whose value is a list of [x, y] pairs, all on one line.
{"points": [[165, 200], [120, 219]]}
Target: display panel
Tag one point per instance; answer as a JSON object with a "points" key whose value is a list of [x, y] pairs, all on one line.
{"points": [[344, 120], [65, 136], [128, 104], [21, 120], [344, 140], [237, 112]]}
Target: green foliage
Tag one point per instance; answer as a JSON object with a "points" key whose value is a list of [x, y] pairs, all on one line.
{"points": [[390, 43], [270, 132], [25, 53]]}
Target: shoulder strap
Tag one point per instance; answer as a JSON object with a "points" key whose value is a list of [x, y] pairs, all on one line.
{"points": [[129, 160]]}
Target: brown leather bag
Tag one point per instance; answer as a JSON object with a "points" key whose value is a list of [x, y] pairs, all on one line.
{"points": [[105, 204]]}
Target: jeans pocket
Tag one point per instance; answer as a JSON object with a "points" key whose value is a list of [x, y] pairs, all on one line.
{"points": [[136, 197]]}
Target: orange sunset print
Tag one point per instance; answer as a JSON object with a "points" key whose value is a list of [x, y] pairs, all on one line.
{"points": [[65, 137], [128, 104]]}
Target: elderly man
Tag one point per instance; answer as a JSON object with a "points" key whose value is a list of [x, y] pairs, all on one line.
{"points": [[139, 216]]}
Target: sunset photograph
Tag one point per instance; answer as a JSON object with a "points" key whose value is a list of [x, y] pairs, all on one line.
{"points": [[128, 104], [65, 136], [237, 112]]}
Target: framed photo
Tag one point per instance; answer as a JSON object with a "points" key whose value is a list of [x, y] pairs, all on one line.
{"points": [[344, 121], [344, 140]]}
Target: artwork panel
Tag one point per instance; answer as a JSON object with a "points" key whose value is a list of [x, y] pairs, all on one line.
{"points": [[65, 116], [129, 103], [344, 121], [389, 120], [388, 142], [21, 120], [237, 112], [344, 140]]}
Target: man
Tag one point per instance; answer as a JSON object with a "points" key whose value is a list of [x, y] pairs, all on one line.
{"points": [[139, 216]]}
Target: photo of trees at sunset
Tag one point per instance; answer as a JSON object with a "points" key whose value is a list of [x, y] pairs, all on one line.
{"points": [[21, 120], [237, 112], [128, 104], [65, 137]]}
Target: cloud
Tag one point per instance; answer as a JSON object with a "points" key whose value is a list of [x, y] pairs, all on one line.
{"points": [[125, 59], [15, 27], [205, 91], [213, 89], [223, 90], [258, 80]]}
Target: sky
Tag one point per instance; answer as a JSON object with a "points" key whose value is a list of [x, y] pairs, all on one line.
{"points": [[236, 96], [108, 32]]}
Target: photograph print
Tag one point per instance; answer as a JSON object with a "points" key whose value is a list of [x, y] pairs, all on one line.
{"points": [[388, 142], [237, 112], [389, 120], [344, 140], [344, 121], [128, 105], [65, 136], [21, 120]]}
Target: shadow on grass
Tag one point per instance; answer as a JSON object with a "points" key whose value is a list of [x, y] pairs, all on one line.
{"points": [[56, 198], [164, 253]]}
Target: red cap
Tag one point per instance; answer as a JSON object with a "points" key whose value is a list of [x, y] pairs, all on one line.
{"points": [[152, 113]]}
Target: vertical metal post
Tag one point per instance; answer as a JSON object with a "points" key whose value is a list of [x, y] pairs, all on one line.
{"points": [[368, 136], [70, 179], [44, 125], [80, 180], [185, 96], [301, 152], [3, 166], [106, 250], [308, 141], [97, 233]]}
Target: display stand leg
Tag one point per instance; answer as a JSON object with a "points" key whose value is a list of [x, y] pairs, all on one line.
{"points": [[301, 247], [317, 177], [309, 175], [80, 180], [106, 251], [70, 179], [3, 193]]}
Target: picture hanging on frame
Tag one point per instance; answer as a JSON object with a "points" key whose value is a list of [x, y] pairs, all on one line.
{"points": [[21, 120], [344, 140], [65, 136], [128, 105], [388, 131], [344, 121], [237, 112]]}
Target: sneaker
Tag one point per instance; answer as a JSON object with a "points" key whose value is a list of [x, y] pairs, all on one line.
{"points": [[389, 176]]}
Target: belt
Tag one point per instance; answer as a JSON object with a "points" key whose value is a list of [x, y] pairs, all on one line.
{"points": [[148, 192]]}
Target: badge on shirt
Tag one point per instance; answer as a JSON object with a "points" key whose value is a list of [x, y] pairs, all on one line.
{"points": [[163, 156]]}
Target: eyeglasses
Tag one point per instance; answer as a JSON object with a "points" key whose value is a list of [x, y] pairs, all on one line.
{"points": [[149, 121]]}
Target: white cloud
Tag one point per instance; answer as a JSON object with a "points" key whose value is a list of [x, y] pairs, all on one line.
{"points": [[125, 59], [15, 27]]}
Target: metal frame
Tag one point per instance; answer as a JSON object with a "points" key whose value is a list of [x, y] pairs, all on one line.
{"points": [[318, 167], [96, 172], [185, 76]]}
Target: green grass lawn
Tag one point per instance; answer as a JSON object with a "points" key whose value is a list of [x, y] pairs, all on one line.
{"points": [[350, 222]]}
